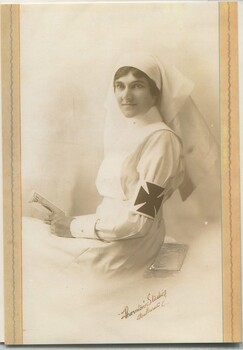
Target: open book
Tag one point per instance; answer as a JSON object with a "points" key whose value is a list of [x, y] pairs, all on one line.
{"points": [[110, 268]]}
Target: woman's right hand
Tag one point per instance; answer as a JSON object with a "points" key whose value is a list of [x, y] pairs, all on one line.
{"points": [[60, 225], [51, 217]]}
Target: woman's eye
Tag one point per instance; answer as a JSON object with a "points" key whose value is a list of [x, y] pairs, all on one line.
{"points": [[118, 86], [138, 86]]}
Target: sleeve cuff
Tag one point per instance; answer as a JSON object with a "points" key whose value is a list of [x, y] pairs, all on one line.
{"points": [[83, 226]]}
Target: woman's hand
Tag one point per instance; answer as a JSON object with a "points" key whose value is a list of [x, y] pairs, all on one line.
{"points": [[60, 225]]}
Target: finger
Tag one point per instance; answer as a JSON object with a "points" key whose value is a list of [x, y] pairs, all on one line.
{"points": [[53, 231], [54, 221], [48, 222], [49, 217]]}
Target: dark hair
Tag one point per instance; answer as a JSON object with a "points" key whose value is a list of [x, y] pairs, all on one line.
{"points": [[138, 74]]}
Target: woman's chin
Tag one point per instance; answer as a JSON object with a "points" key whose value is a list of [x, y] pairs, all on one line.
{"points": [[129, 113]]}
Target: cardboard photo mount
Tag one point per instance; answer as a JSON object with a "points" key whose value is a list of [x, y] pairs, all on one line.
{"points": [[230, 179]]}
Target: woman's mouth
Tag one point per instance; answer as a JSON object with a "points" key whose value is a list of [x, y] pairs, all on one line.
{"points": [[128, 104]]}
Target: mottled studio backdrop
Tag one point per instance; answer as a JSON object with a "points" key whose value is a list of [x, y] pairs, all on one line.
{"points": [[65, 74]]}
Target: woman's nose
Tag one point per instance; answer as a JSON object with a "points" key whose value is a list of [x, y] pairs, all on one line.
{"points": [[127, 94]]}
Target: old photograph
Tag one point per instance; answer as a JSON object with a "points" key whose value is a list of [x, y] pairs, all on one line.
{"points": [[120, 173]]}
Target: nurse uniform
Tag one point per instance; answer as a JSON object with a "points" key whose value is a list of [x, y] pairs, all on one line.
{"points": [[137, 175]]}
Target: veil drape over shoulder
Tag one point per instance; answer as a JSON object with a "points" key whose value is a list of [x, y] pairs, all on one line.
{"points": [[178, 111]]}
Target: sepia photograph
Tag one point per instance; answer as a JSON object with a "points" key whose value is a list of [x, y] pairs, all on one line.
{"points": [[121, 178]]}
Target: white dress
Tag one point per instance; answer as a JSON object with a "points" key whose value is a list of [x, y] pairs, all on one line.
{"points": [[62, 278], [138, 174]]}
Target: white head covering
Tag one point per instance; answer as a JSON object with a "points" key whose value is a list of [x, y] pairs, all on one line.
{"points": [[177, 110]]}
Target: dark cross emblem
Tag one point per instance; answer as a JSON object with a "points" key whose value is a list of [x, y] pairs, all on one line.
{"points": [[150, 198]]}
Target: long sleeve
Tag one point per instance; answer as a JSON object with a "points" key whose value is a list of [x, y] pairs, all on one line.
{"points": [[159, 170]]}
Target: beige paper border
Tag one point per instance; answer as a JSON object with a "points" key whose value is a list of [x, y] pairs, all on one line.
{"points": [[229, 107], [230, 172], [11, 173]]}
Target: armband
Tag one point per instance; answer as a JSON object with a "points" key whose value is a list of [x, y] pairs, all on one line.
{"points": [[149, 199]]}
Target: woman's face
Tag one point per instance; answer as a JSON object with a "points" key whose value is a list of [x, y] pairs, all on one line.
{"points": [[133, 95]]}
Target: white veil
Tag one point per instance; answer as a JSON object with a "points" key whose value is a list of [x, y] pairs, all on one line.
{"points": [[177, 110]]}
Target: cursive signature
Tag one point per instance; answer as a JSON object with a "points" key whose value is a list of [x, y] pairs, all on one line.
{"points": [[149, 304]]}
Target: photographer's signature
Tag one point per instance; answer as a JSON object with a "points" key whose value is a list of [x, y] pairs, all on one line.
{"points": [[149, 304]]}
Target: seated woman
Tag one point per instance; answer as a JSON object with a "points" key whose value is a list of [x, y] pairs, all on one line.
{"points": [[142, 167], [144, 164]]}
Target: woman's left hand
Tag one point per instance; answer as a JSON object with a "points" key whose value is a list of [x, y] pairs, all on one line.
{"points": [[60, 226]]}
